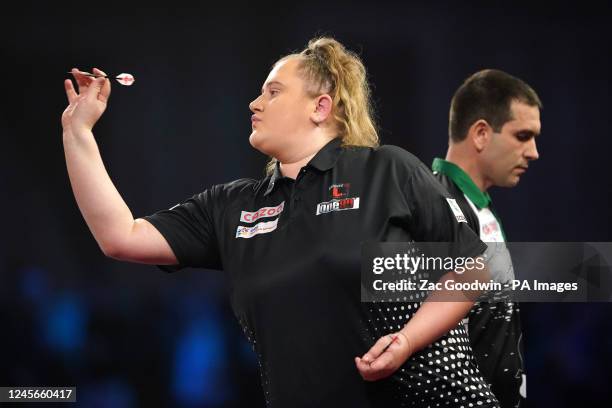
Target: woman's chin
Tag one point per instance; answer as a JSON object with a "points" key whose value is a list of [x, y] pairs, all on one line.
{"points": [[257, 141]]}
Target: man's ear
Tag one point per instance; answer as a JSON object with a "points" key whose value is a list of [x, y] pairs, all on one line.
{"points": [[480, 134], [323, 107]]}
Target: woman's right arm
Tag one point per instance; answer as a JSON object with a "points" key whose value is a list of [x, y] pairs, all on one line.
{"points": [[108, 217]]}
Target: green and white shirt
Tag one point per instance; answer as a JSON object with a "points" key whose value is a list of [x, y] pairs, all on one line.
{"points": [[494, 328]]}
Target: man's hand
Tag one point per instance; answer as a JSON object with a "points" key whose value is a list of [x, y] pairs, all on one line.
{"points": [[385, 357]]}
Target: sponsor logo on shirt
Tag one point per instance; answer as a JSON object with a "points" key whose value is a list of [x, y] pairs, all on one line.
{"points": [[350, 203], [260, 228], [265, 212], [456, 210], [339, 190], [490, 228], [340, 200]]}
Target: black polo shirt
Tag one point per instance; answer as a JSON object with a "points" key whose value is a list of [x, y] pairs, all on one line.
{"points": [[291, 249]]}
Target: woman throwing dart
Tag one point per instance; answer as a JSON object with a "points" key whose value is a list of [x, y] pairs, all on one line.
{"points": [[290, 242]]}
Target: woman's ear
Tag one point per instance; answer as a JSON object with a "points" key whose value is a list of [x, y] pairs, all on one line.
{"points": [[323, 107]]}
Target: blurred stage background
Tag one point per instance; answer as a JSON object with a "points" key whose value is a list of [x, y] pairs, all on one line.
{"points": [[130, 335]]}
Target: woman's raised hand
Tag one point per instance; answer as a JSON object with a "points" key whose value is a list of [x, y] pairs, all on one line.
{"points": [[87, 105]]}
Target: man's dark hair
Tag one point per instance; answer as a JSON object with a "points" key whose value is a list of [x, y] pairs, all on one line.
{"points": [[487, 95]]}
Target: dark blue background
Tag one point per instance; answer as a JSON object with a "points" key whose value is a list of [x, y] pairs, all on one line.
{"points": [[130, 335]]}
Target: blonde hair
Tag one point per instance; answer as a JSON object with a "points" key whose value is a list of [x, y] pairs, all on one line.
{"points": [[328, 67]]}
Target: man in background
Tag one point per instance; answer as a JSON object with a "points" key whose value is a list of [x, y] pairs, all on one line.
{"points": [[493, 125]]}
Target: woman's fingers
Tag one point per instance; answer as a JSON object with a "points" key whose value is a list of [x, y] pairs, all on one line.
{"points": [[95, 89], [370, 373], [70, 92], [383, 362], [377, 349], [363, 368], [83, 81], [384, 357], [106, 87], [97, 71]]}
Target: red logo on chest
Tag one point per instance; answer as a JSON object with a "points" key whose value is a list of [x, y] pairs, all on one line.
{"points": [[339, 190]]}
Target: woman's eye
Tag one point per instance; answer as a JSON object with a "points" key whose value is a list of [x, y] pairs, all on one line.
{"points": [[273, 91]]}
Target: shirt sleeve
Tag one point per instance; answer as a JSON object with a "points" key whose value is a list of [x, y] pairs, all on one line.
{"points": [[189, 229], [436, 216]]}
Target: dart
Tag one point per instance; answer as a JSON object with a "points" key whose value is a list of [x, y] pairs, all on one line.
{"points": [[123, 78], [393, 339]]}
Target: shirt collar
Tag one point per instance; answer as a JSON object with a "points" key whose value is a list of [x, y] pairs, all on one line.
{"points": [[324, 160], [463, 181]]}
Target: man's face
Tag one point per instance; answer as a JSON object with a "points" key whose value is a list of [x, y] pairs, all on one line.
{"points": [[281, 114], [508, 153]]}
